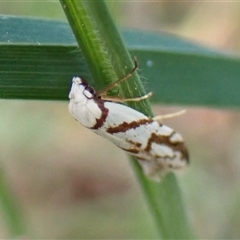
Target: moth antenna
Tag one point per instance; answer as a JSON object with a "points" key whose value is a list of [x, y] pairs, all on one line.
{"points": [[159, 118], [113, 84]]}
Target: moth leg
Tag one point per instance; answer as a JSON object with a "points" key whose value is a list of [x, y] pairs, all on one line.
{"points": [[159, 118], [112, 85], [121, 100]]}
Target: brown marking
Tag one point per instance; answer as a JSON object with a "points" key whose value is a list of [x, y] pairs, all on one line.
{"points": [[137, 144], [123, 127], [132, 150], [100, 102], [100, 121], [135, 149], [176, 146]]}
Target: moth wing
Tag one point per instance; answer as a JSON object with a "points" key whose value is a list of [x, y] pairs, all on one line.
{"points": [[157, 147], [119, 113], [120, 118]]}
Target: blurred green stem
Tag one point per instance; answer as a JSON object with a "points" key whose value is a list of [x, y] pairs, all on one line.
{"points": [[108, 61], [12, 212]]}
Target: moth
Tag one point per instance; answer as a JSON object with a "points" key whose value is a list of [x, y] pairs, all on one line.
{"points": [[157, 147]]}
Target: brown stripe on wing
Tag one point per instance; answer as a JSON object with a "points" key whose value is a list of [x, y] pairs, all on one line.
{"points": [[131, 150], [123, 127], [135, 149], [102, 119], [136, 144], [165, 140]]}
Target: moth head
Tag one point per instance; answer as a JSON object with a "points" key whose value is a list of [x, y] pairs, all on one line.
{"points": [[80, 89]]}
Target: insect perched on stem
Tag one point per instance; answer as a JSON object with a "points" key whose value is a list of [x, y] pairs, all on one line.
{"points": [[157, 147]]}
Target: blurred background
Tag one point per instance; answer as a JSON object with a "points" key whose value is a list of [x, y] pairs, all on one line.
{"points": [[65, 178]]}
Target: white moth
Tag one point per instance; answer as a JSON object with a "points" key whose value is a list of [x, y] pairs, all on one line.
{"points": [[157, 147]]}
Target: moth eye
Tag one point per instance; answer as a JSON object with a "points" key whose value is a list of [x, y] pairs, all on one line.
{"points": [[90, 89], [89, 92]]}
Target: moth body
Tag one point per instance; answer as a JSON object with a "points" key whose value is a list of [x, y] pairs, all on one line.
{"points": [[157, 147]]}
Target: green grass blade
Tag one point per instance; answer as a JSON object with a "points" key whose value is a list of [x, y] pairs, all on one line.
{"points": [[13, 215], [108, 60], [101, 44], [39, 57]]}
